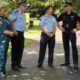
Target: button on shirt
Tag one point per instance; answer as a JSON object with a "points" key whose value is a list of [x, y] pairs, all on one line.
{"points": [[19, 20], [69, 20], [49, 22]]}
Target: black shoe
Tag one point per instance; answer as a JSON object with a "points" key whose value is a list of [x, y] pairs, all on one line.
{"points": [[39, 65], [75, 67], [65, 64], [15, 68], [21, 67], [50, 65]]}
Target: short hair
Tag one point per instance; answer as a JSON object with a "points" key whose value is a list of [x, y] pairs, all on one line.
{"points": [[4, 7], [68, 3], [48, 7]]}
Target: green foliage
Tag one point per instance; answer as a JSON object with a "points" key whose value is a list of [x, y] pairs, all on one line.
{"points": [[76, 5], [38, 4]]}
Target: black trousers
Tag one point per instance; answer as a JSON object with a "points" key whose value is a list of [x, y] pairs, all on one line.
{"points": [[17, 48], [43, 44], [70, 36]]}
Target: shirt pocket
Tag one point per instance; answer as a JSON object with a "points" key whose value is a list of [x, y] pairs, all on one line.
{"points": [[65, 18], [73, 18], [46, 20], [20, 18]]}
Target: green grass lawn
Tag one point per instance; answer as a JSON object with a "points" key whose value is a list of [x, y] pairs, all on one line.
{"points": [[27, 42], [35, 28], [36, 22]]}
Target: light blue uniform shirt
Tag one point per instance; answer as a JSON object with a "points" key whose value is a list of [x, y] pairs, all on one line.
{"points": [[49, 22], [19, 20]]}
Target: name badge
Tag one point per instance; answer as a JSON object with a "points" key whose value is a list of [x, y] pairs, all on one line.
{"points": [[67, 25]]}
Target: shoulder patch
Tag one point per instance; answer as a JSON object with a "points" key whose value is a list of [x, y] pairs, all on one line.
{"points": [[16, 11], [41, 18]]}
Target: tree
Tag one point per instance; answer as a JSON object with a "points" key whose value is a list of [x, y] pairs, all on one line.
{"points": [[38, 4]]}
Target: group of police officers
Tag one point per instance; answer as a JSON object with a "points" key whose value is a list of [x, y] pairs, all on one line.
{"points": [[48, 25], [69, 27], [19, 26]]}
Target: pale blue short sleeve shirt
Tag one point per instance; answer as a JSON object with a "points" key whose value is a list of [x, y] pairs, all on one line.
{"points": [[19, 20], [49, 22]]}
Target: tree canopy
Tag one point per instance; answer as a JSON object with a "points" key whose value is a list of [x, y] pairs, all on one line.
{"points": [[38, 4]]}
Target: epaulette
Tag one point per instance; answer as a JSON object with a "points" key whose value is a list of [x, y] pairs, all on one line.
{"points": [[16, 11]]}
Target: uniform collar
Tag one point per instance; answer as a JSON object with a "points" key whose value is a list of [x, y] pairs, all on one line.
{"points": [[48, 16], [20, 11], [2, 16], [70, 13]]}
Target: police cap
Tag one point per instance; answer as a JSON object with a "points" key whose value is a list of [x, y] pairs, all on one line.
{"points": [[67, 4], [22, 4]]}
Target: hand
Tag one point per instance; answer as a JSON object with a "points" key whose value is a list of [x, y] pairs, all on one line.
{"points": [[0, 23], [74, 30], [15, 33], [50, 34], [62, 29], [11, 34]]}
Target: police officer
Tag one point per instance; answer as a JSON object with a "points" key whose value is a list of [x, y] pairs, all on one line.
{"points": [[48, 27], [19, 22], [69, 28]]}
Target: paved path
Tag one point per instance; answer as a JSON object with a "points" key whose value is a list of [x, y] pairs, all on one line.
{"points": [[30, 58]]}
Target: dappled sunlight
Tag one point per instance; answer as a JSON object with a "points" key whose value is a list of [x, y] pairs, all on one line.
{"points": [[56, 55], [30, 58], [15, 75], [59, 54], [43, 72], [26, 74], [32, 52], [39, 74], [19, 76]]}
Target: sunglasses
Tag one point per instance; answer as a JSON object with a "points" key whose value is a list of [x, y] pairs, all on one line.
{"points": [[23, 5]]}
